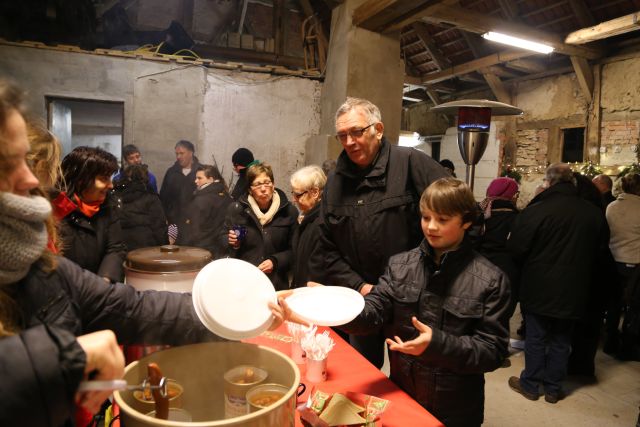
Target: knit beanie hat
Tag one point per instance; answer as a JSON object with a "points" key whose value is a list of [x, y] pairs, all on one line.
{"points": [[502, 188], [242, 157]]}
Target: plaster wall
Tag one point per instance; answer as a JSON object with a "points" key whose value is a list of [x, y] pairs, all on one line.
{"points": [[271, 116], [418, 119], [552, 98], [165, 102]]}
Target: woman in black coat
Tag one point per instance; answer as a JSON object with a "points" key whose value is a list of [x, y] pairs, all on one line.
{"points": [[141, 216], [499, 209], [260, 226], [306, 188], [203, 219], [57, 321], [90, 229]]}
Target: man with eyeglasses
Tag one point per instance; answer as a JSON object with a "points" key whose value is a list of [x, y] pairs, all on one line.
{"points": [[370, 207]]}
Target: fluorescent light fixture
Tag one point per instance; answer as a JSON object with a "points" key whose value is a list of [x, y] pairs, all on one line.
{"points": [[517, 42]]}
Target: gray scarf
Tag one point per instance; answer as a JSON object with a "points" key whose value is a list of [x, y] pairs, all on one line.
{"points": [[23, 235]]}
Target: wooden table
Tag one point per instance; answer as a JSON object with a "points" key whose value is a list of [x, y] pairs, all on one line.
{"points": [[348, 370]]}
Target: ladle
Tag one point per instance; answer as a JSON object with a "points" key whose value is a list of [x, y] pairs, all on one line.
{"points": [[122, 385]]}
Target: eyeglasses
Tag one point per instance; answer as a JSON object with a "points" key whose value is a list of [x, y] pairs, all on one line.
{"points": [[298, 195], [262, 184], [353, 133]]}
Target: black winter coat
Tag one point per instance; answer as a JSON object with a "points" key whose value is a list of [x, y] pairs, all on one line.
{"points": [[370, 215], [95, 243], [242, 186], [43, 366], [203, 219], [273, 241], [493, 241], [141, 215], [465, 301], [306, 247], [555, 241], [176, 191]]}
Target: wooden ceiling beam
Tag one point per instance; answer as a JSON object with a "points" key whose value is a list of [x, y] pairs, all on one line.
{"points": [[582, 13], [584, 75], [433, 96], [475, 65], [498, 88], [526, 65], [422, 32], [510, 9], [413, 15], [501, 72], [615, 27], [369, 9], [479, 23]]}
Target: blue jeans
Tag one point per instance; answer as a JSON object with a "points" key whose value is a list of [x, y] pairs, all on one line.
{"points": [[546, 352]]}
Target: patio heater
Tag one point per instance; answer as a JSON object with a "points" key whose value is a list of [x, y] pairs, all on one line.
{"points": [[474, 120]]}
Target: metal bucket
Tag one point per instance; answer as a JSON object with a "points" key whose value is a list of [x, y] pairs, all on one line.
{"points": [[200, 369]]}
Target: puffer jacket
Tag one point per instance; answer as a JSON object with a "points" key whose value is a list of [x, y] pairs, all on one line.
{"points": [[306, 247], [465, 301], [204, 218], [69, 302], [370, 215], [273, 241], [141, 216], [95, 243]]}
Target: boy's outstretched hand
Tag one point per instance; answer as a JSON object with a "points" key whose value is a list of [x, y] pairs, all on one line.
{"points": [[281, 311], [415, 346]]}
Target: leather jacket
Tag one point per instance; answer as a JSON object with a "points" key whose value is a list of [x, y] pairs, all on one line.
{"points": [[465, 300]]}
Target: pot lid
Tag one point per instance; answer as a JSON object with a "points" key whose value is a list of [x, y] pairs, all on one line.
{"points": [[168, 259]]}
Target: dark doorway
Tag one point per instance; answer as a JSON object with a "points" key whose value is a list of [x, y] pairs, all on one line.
{"points": [[573, 145]]}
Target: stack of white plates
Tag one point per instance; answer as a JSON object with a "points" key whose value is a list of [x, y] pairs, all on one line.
{"points": [[231, 296]]}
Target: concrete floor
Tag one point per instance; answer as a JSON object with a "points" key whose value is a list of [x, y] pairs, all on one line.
{"points": [[611, 401]]}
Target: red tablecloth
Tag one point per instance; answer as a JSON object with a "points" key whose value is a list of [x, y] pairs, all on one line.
{"points": [[347, 370]]}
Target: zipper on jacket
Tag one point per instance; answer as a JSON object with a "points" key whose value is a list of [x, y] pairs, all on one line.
{"points": [[43, 311]]}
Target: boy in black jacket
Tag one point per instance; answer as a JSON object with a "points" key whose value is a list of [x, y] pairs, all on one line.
{"points": [[444, 310]]}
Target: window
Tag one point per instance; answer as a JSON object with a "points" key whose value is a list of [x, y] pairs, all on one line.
{"points": [[573, 145]]}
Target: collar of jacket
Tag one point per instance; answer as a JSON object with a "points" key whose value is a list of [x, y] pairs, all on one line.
{"points": [[176, 168], [565, 188], [374, 175], [311, 215], [244, 200], [453, 259], [214, 187]]}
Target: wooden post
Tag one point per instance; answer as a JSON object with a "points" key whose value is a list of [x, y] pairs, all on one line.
{"points": [[594, 119]]}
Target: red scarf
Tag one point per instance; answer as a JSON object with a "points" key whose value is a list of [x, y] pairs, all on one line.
{"points": [[88, 209]]}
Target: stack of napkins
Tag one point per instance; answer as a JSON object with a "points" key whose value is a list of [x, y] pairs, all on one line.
{"points": [[349, 409]]}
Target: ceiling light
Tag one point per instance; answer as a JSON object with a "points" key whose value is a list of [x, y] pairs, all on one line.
{"points": [[517, 42]]}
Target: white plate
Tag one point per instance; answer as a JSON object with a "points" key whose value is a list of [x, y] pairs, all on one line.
{"points": [[231, 296], [326, 305]]}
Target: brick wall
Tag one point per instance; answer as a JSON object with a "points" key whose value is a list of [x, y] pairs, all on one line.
{"points": [[619, 137], [532, 147]]}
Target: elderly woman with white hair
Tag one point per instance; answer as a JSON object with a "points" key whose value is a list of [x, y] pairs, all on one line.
{"points": [[307, 184]]}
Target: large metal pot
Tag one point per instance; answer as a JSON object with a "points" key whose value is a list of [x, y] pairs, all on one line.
{"points": [[165, 268], [200, 369]]}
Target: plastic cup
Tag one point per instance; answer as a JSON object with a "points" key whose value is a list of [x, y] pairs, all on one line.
{"points": [[240, 231], [316, 370]]}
